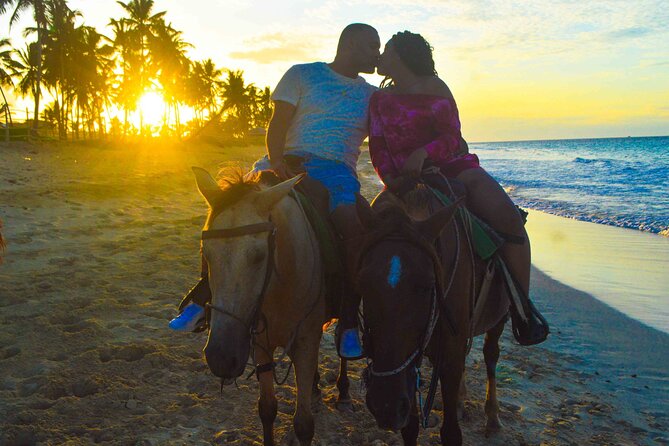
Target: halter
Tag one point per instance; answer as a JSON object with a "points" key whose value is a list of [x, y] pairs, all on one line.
{"points": [[239, 231], [437, 295]]}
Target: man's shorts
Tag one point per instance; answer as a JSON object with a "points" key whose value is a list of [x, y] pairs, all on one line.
{"points": [[339, 179]]}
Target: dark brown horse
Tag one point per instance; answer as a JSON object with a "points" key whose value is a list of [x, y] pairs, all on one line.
{"points": [[419, 301]]}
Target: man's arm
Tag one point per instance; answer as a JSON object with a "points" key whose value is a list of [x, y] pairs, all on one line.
{"points": [[276, 137]]}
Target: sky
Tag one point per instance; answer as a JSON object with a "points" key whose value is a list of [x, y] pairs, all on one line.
{"points": [[519, 70]]}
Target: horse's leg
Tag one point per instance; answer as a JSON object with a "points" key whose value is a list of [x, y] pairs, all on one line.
{"points": [[306, 365], [462, 395], [451, 377], [267, 405], [410, 432], [491, 355], [344, 402], [315, 390]]}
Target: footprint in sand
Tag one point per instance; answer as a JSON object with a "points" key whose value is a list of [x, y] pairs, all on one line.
{"points": [[128, 353], [9, 352], [85, 387]]}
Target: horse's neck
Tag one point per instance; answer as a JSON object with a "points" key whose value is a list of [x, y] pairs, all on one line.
{"points": [[297, 249]]}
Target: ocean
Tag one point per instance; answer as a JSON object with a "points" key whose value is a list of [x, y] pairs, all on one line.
{"points": [[615, 181]]}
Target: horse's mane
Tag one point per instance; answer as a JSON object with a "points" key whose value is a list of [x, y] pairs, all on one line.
{"points": [[235, 184]]}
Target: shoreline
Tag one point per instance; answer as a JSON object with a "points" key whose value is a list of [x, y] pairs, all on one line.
{"points": [[623, 268]]}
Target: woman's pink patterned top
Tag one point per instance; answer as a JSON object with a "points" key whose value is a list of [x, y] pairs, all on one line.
{"points": [[402, 123]]}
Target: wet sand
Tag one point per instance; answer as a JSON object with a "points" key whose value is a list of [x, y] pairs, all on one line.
{"points": [[102, 242]]}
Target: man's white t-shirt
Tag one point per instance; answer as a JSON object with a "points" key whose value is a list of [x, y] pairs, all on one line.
{"points": [[331, 111]]}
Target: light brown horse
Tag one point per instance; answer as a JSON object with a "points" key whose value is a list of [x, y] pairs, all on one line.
{"points": [[418, 301], [266, 278]]}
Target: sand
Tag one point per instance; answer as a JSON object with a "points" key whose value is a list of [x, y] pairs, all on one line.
{"points": [[102, 242]]}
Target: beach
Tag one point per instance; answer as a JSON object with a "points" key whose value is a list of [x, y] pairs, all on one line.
{"points": [[104, 240]]}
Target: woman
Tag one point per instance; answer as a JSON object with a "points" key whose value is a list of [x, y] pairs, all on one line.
{"points": [[415, 120]]}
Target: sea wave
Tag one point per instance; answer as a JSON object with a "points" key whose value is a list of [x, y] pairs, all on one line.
{"points": [[600, 161]]}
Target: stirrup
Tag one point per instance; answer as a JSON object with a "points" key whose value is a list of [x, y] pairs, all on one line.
{"points": [[531, 332], [347, 343], [199, 294]]}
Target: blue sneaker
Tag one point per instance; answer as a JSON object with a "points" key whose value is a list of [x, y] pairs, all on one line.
{"points": [[189, 319], [350, 346]]}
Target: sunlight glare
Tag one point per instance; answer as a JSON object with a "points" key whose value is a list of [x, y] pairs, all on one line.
{"points": [[152, 106]]}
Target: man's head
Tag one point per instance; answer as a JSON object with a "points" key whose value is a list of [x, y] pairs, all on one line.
{"points": [[359, 47]]}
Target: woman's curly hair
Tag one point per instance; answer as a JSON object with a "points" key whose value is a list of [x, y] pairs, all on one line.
{"points": [[415, 52]]}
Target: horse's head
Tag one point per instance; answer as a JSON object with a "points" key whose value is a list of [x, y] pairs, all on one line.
{"points": [[399, 278], [237, 243]]}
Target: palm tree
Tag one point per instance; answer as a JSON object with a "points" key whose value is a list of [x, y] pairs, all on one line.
{"points": [[39, 14], [169, 61], [126, 91], [59, 49], [27, 69], [238, 100], [8, 67], [142, 25], [263, 108]]}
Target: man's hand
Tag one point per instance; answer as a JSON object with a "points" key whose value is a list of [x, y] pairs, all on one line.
{"points": [[413, 166], [281, 170]]}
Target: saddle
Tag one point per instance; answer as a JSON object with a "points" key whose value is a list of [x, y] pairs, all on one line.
{"points": [[529, 326], [314, 198]]}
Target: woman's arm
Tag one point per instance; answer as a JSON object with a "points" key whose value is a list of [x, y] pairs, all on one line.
{"points": [[449, 141]]}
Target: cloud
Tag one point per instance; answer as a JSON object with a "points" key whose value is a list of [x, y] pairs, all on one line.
{"points": [[270, 55], [628, 33], [280, 47]]}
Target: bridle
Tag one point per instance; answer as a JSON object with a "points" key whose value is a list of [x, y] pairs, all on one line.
{"points": [[416, 356], [239, 231], [438, 308]]}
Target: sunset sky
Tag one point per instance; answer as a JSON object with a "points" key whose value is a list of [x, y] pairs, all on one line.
{"points": [[518, 69]]}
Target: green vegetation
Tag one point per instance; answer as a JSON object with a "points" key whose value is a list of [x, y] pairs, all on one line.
{"points": [[95, 85]]}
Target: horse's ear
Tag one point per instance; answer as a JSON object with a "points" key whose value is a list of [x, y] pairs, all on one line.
{"points": [[432, 227], [206, 185], [266, 199], [365, 212]]}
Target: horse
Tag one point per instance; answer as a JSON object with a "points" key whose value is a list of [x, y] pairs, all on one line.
{"points": [[418, 300], [258, 302]]}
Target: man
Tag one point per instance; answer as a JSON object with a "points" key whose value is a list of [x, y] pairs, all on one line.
{"points": [[320, 115]]}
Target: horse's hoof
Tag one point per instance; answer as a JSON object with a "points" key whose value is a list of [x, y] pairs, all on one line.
{"points": [[316, 405], [463, 415], [492, 427], [344, 405], [290, 439]]}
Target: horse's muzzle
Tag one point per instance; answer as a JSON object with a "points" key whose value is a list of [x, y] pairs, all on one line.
{"points": [[227, 352], [390, 405]]}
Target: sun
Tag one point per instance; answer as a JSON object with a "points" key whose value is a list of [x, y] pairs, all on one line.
{"points": [[152, 106]]}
